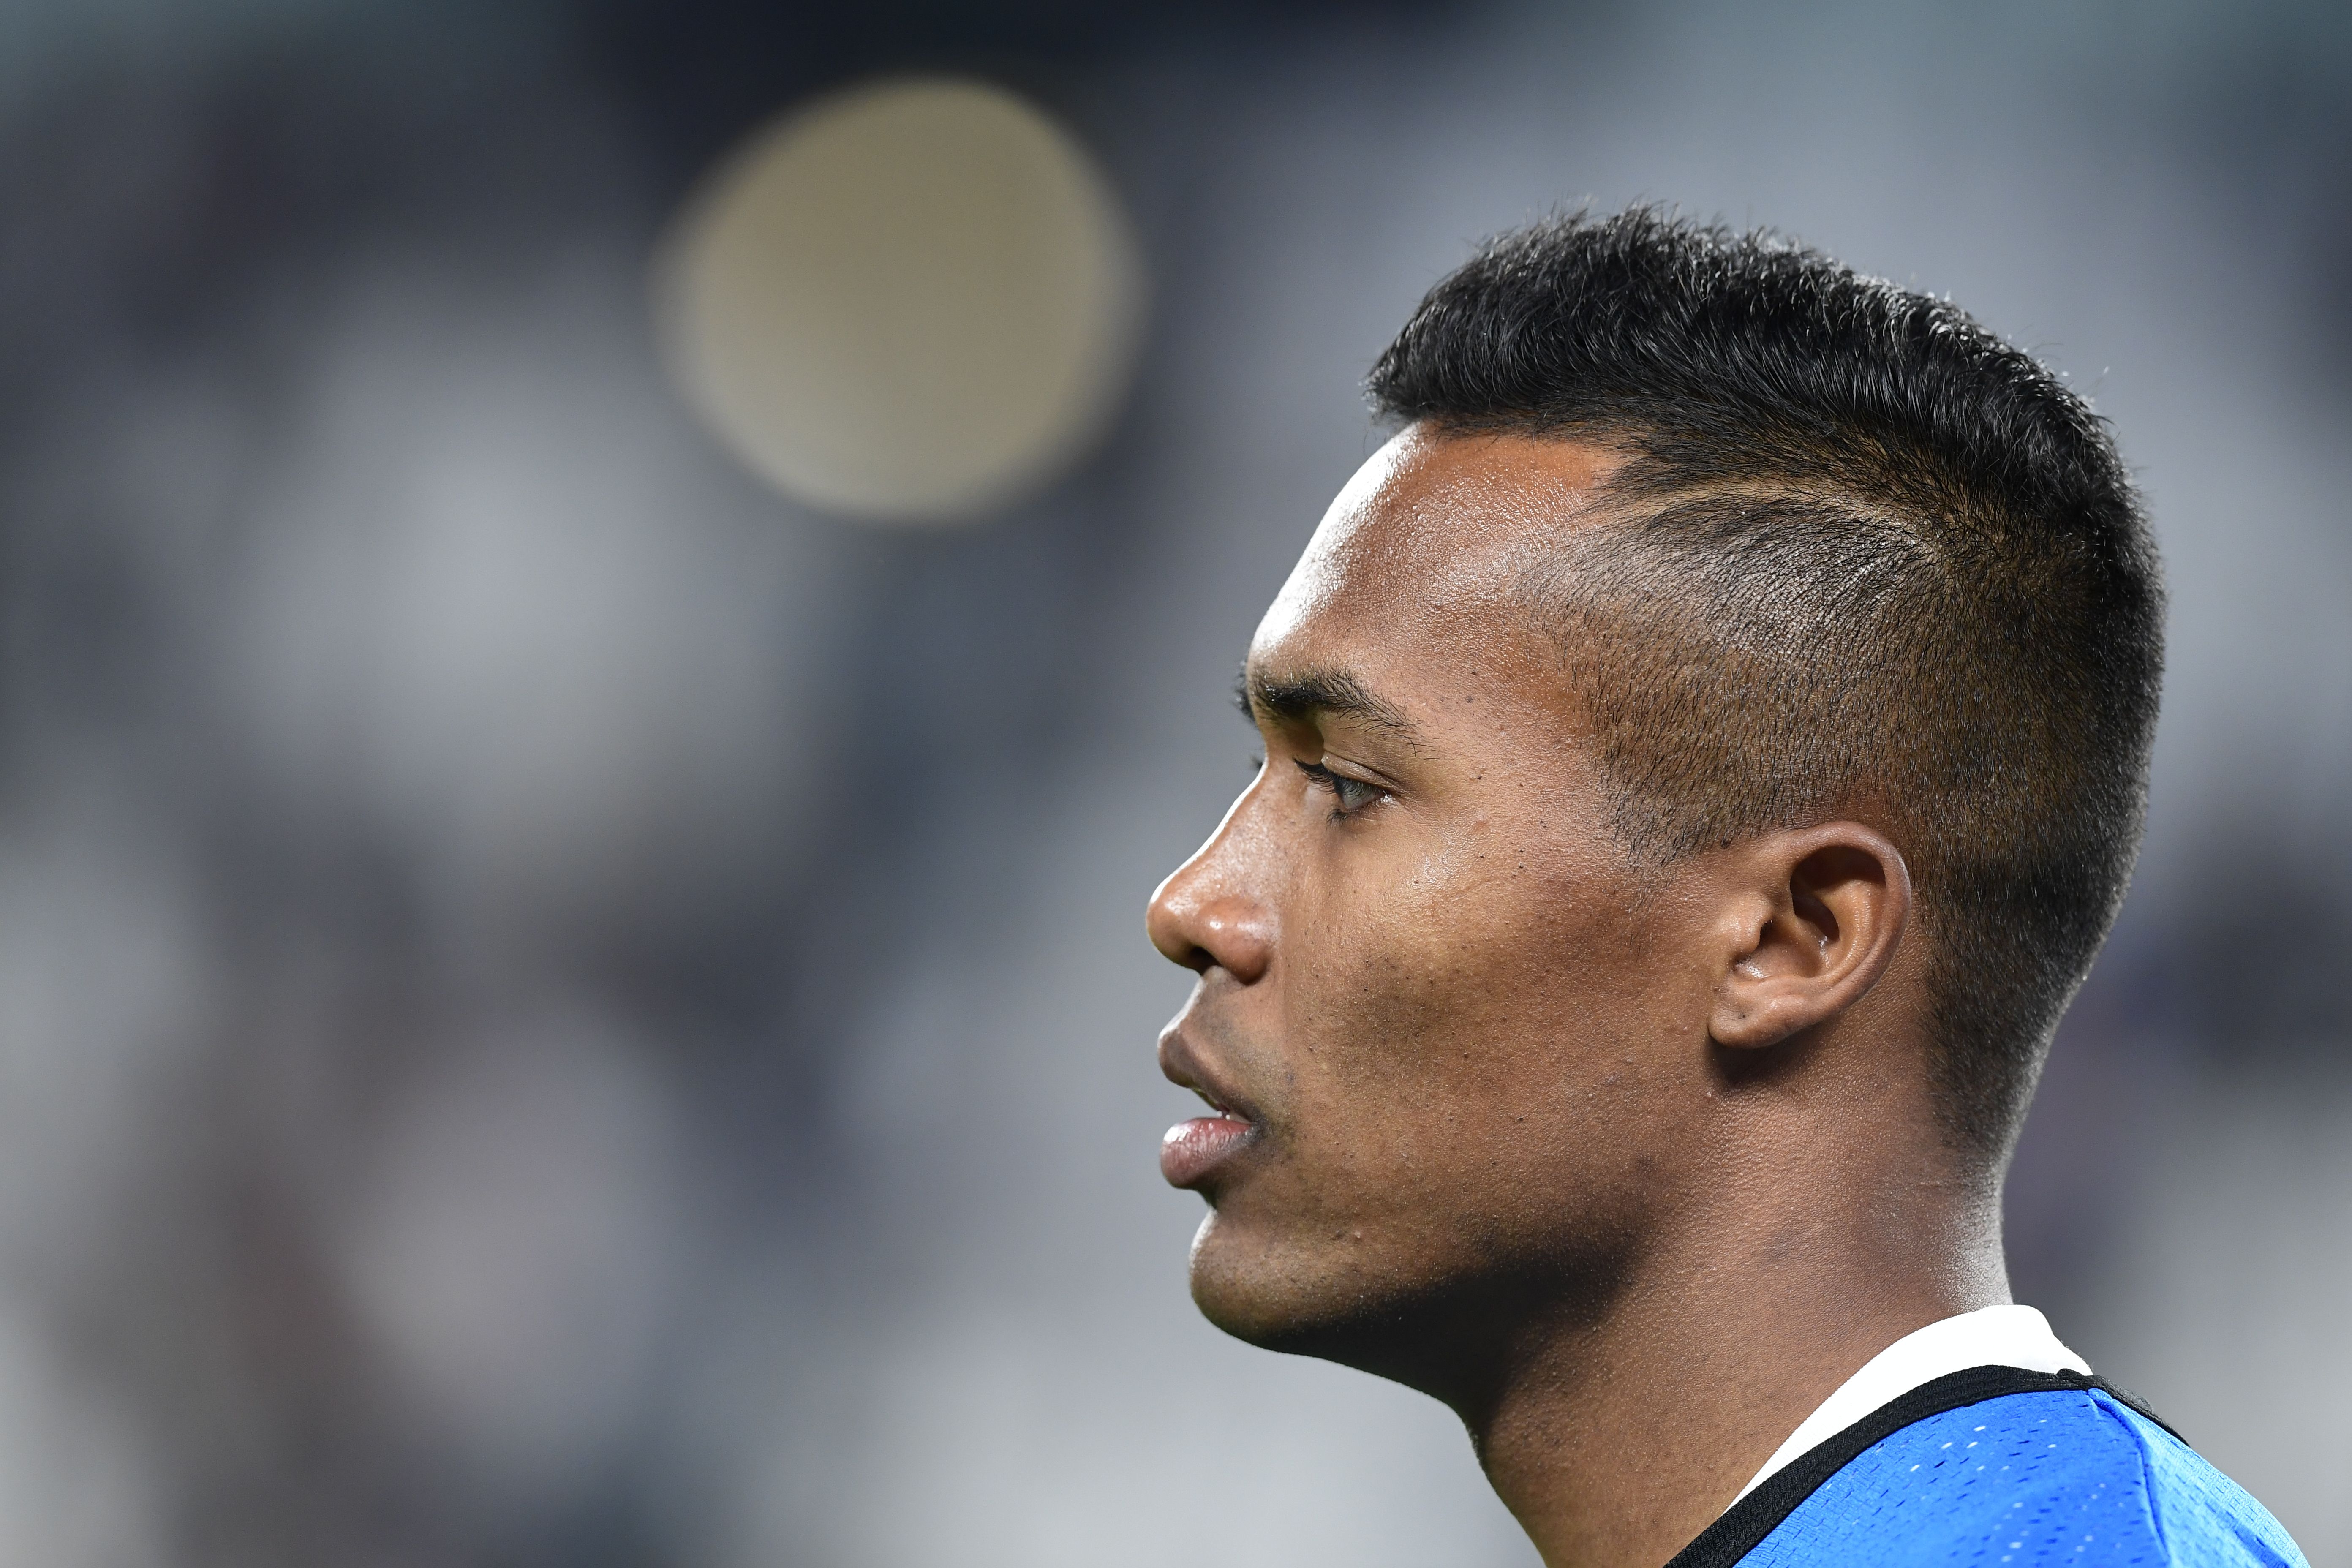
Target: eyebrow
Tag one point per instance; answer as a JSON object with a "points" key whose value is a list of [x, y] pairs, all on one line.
{"points": [[1306, 694]]}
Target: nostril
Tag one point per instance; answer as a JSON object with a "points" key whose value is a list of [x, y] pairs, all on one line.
{"points": [[1201, 919], [1234, 934], [1192, 942], [1221, 933]]}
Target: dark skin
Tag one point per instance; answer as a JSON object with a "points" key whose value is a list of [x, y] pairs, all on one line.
{"points": [[1631, 1165]]}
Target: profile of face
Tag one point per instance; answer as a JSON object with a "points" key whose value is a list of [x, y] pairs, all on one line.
{"points": [[1460, 1047]]}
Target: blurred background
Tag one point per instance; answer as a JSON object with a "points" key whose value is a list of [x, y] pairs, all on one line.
{"points": [[593, 681]]}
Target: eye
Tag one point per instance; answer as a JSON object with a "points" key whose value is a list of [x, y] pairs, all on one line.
{"points": [[1348, 795]]}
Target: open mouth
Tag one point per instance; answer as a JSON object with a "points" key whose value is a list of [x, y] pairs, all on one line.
{"points": [[1216, 1105], [1192, 1151]]}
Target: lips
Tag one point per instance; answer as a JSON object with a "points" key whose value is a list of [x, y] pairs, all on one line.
{"points": [[1190, 1150]]}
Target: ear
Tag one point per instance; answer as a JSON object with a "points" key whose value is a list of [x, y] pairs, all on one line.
{"points": [[1812, 918]]}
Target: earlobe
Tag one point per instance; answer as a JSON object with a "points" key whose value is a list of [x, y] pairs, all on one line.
{"points": [[1813, 919]]}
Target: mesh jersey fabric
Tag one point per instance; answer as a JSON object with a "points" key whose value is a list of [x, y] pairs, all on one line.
{"points": [[2025, 1481]]}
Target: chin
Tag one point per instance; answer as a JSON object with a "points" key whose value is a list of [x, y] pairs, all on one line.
{"points": [[1266, 1291], [1291, 1296], [1445, 1324]]}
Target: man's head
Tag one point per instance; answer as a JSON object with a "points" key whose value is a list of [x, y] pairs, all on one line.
{"points": [[1717, 615]]}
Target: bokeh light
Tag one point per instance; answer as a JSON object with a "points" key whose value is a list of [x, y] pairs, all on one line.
{"points": [[558, 1008], [914, 302]]}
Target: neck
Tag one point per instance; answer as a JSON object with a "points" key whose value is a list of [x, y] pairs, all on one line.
{"points": [[1616, 1438]]}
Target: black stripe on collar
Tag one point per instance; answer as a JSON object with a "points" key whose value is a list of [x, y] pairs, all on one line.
{"points": [[1745, 1524]]}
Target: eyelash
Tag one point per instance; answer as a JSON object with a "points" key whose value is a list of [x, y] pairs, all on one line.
{"points": [[1339, 785]]}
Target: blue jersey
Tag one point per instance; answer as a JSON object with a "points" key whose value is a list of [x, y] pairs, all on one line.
{"points": [[1995, 1468]]}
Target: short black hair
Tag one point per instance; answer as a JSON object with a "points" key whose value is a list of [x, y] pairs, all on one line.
{"points": [[1871, 560]]}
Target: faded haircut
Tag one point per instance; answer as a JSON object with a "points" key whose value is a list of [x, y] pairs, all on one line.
{"points": [[1864, 559]]}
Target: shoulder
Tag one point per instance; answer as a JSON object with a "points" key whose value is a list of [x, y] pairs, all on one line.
{"points": [[2067, 1475], [2204, 1515]]}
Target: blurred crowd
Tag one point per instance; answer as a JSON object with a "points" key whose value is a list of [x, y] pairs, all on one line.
{"points": [[560, 1004]]}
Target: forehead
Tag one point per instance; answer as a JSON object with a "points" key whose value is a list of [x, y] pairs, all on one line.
{"points": [[1423, 545]]}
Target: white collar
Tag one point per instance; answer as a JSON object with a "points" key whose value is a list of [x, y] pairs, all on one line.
{"points": [[1989, 1336]]}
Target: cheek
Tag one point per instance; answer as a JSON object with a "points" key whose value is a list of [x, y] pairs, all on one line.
{"points": [[1467, 992]]}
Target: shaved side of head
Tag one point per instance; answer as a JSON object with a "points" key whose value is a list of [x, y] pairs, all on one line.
{"points": [[1859, 557]]}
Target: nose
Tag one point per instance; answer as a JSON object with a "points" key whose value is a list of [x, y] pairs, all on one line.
{"points": [[1205, 917]]}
